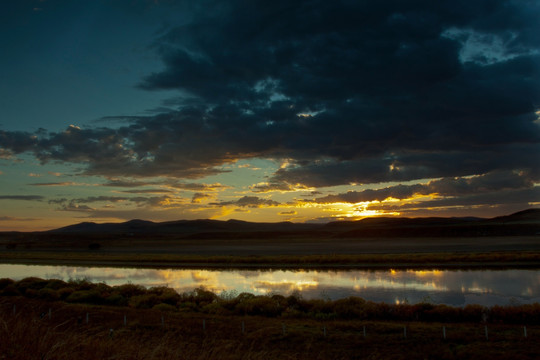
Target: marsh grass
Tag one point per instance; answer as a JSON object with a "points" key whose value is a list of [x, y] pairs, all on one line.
{"points": [[66, 335], [409, 260], [163, 324]]}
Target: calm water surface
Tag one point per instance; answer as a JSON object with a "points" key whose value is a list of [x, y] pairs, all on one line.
{"points": [[452, 287]]}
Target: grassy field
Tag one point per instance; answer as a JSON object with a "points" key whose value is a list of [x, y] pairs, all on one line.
{"points": [[156, 260], [33, 328]]}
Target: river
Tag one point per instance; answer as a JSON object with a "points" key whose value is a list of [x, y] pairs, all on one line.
{"points": [[451, 287]]}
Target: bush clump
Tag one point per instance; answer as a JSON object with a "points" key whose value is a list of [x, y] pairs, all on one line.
{"points": [[229, 303], [85, 296], [165, 307]]}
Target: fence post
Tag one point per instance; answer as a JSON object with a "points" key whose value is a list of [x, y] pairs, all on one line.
{"points": [[125, 320], [49, 313], [324, 331], [524, 331], [486, 330], [364, 331], [204, 324], [162, 321], [243, 327], [87, 318], [444, 332], [14, 309], [283, 328], [405, 332]]}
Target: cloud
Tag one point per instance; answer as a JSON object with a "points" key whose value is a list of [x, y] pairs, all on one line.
{"points": [[127, 183], [167, 183], [199, 197], [520, 198], [248, 166], [197, 186], [292, 212], [355, 92], [65, 183], [5, 154], [248, 201], [22, 197], [10, 218], [76, 208], [283, 186], [152, 202], [447, 187], [148, 191]]}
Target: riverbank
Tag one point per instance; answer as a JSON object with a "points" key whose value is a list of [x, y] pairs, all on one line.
{"points": [[453, 260], [200, 325]]}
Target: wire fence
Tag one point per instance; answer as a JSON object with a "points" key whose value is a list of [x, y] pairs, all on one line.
{"points": [[116, 319]]}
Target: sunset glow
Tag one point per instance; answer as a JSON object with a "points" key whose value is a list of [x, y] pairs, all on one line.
{"points": [[327, 112]]}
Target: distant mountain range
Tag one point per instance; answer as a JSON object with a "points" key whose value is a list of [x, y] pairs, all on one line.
{"points": [[523, 223]]}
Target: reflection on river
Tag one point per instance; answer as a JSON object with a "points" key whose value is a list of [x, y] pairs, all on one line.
{"points": [[452, 287]]}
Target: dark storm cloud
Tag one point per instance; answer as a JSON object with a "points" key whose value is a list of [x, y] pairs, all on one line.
{"points": [[22, 197], [248, 201], [455, 188], [362, 92], [523, 198], [78, 204]]}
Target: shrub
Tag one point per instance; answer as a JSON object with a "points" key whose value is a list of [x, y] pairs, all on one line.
{"points": [[10, 290], [474, 313], [259, 305], [116, 300], [216, 308], [351, 307], [442, 313], [5, 282], [85, 296], [48, 294], [320, 309], [146, 301], [187, 306], [65, 292], [55, 284], [201, 297], [30, 283], [129, 290], [80, 284], [169, 296], [31, 293], [165, 307]]}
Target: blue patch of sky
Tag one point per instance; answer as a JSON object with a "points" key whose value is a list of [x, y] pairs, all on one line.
{"points": [[75, 63]]}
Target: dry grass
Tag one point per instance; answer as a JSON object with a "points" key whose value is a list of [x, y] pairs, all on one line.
{"points": [[451, 259], [26, 334]]}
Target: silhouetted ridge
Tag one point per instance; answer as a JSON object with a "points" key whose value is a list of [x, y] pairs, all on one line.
{"points": [[525, 222]]}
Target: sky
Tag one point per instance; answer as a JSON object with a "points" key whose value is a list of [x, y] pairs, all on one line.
{"points": [[303, 111]]}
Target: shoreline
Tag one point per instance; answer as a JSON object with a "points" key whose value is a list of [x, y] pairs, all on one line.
{"points": [[443, 261]]}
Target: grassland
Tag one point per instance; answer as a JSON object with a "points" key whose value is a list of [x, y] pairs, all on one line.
{"points": [[494, 259], [52, 319]]}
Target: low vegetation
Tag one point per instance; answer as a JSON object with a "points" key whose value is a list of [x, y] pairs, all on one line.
{"points": [[275, 306], [409, 260], [54, 319]]}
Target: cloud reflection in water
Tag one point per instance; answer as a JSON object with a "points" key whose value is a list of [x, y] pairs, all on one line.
{"points": [[453, 287]]}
